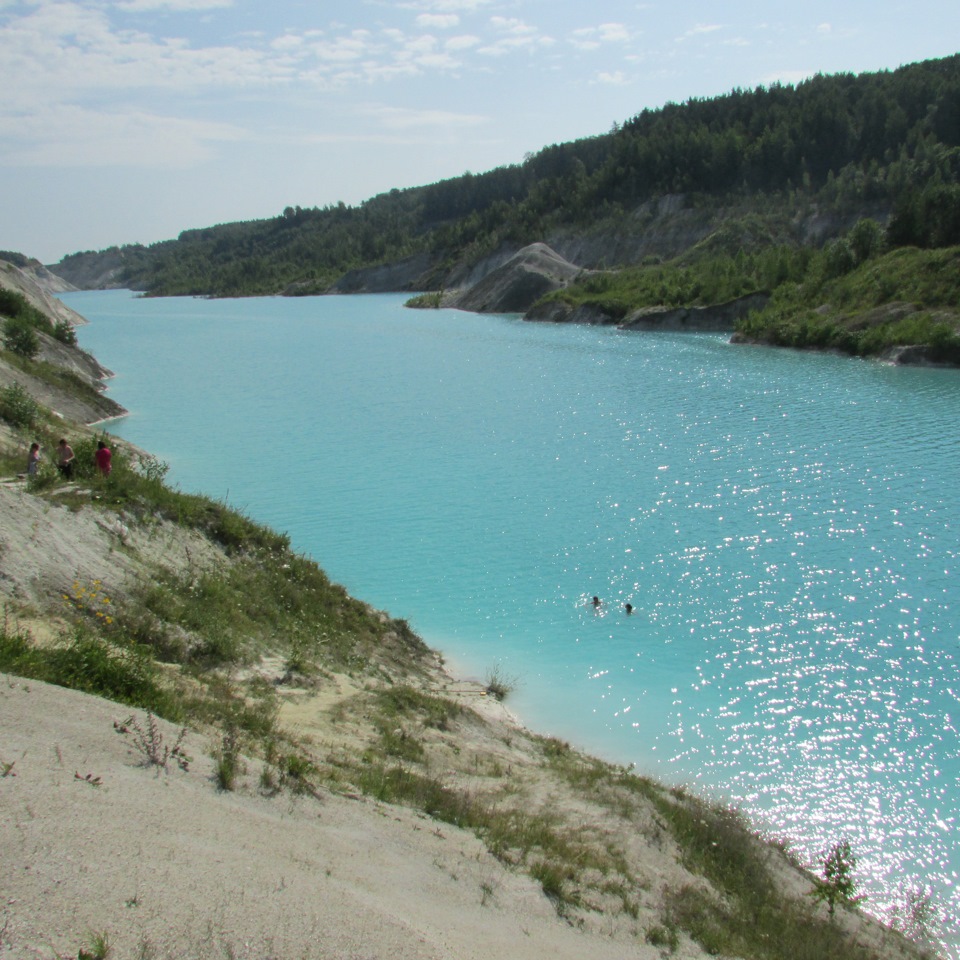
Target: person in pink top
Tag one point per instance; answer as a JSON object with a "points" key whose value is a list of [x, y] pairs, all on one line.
{"points": [[102, 458]]}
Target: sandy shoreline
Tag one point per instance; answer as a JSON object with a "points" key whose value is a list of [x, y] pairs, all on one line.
{"points": [[166, 866]]}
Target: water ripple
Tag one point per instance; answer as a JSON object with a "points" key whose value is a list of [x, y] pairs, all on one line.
{"points": [[784, 525]]}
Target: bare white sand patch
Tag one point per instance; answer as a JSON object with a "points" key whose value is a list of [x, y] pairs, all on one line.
{"points": [[165, 865], [46, 547]]}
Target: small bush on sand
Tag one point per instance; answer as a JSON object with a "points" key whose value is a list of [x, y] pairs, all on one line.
{"points": [[555, 881], [660, 935], [498, 684], [228, 764], [45, 477], [149, 743], [837, 884]]}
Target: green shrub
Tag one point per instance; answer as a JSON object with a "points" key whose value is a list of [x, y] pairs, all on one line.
{"points": [[237, 532], [148, 740], [297, 773], [403, 700], [15, 306], [663, 936], [83, 462], [837, 884], [64, 332], [227, 763], [21, 338], [866, 239], [555, 881], [98, 947], [45, 477], [153, 469], [705, 921], [401, 745], [18, 408], [91, 665], [401, 785], [94, 666]]}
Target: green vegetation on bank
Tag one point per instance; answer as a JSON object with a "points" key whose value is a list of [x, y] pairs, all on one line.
{"points": [[907, 297], [699, 278], [854, 295], [825, 152], [22, 321], [18, 407]]}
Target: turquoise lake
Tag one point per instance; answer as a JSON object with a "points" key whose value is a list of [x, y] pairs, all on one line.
{"points": [[785, 525]]}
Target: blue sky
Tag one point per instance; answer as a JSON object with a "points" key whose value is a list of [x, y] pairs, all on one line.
{"points": [[125, 121]]}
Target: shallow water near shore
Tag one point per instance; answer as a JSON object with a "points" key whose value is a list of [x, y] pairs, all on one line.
{"points": [[784, 524]]}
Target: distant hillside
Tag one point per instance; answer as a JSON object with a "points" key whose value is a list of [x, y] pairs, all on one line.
{"points": [[94, 270], [35, 282], [803, 164]]}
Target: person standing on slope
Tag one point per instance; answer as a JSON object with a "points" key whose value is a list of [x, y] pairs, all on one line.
{"points": [[65, 459], [102, 458], [33, 459]]}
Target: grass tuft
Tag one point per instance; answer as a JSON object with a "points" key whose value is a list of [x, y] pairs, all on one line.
{"points": [[498, 684], [227, 762], [98, 947]]}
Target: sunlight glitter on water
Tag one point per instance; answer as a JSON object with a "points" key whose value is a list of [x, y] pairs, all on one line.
{"points": [[784, 525]]}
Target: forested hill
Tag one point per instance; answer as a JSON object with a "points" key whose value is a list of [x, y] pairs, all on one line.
{"points": [[793, 165]]}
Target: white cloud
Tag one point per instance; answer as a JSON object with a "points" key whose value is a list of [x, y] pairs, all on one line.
{"points": [[373, 71], [423, 52], [69, 136], [438, 61], [139, 6], [446, 6], [515, 35], [465, 41], [353, 46], [70, 51], [64, 52], [592, 38], [397, 118], [82, 88], [699, 30], [617, 78], [512, 26], [420, 45], [288, 41], [438, 21], [397, 126], [824, 29], [613, 33]]}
